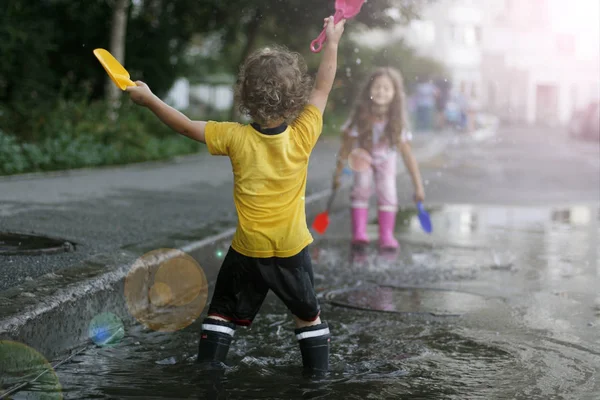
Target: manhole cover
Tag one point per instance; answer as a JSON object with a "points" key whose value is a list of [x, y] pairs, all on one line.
{"points": [[408, 300], [19, 244]]}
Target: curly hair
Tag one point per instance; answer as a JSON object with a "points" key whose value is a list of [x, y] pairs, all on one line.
{"points": [[273, 84], [362, 120]]}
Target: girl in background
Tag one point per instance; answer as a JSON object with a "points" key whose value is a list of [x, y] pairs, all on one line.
{"points": [[373, 136]]}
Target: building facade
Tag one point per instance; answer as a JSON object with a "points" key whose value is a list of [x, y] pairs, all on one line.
{"points": [[513, 58], [532, 69]]}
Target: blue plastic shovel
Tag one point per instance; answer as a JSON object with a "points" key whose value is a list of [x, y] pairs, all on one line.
{"points": [[424, 218]]}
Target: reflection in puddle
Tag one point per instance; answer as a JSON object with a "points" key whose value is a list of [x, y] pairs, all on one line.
{"points": [[410, 300], [555, 235], [465, 219]]}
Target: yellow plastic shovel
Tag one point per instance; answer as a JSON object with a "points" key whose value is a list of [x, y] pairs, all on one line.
{"points": [[115, 70]]}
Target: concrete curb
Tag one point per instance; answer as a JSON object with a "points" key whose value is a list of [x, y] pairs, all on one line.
{"points": [[30, 313]]}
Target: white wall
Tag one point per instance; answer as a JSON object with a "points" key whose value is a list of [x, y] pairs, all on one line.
{"points": [[218, 97], [179, 95], [451, 32], [527, 51]]}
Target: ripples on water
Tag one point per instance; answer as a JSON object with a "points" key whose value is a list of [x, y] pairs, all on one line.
{"points": [[535, 344]]}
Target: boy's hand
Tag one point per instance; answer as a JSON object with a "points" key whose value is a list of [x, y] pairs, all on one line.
{"points": [[140, 94], [334, 31]]}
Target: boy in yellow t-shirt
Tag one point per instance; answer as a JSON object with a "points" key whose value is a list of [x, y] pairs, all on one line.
{"points": [[269, 159]]}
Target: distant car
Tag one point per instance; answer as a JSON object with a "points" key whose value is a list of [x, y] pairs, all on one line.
{"points": [[585, 123]]}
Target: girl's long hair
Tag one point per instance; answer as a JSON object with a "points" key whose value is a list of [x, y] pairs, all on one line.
{"points": [[362, 116]]}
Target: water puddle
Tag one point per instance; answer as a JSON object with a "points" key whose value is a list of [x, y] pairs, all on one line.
{"points": [[520, 284], [410, 300]]}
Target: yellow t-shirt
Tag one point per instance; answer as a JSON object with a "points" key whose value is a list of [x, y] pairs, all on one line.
{"points": [[269, 174]]}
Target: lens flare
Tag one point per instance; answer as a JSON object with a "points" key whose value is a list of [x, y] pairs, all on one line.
{"points": [[161, 294], [166, 290], [106, 330], [359, 160], [20, 364]]}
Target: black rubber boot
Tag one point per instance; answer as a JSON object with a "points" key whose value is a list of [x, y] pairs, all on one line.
{"points": [[215, 339], [314, 346]]}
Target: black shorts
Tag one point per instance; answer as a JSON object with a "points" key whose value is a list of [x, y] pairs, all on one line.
{"points": [[243, 284]]}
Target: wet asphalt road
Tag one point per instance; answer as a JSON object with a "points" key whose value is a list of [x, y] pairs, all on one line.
{"points": [[105, 210], [500, 303], [519, 166], [516, 226]]}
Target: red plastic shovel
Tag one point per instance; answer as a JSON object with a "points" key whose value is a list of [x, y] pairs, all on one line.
{"points": [[321, 222], [344, 9]]}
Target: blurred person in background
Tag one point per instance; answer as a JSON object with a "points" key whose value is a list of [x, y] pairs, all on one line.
{"points": [[426, 94]]}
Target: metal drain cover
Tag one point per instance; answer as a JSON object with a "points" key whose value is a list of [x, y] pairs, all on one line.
{"points": [[21, 244], [408, 300]]}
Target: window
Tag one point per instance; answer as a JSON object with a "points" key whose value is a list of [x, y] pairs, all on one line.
{"points": [[425, 31], [470, 36], [478, 34], [455, 34]]}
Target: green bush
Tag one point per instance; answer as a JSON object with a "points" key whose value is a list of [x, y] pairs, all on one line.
{"points": [[12, 159], [76, 134]]}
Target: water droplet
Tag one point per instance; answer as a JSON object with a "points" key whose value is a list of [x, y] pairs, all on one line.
{"points": [[358, 61]]}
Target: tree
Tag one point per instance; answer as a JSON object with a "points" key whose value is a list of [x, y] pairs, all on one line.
{"points": [[47, 45], [247, 24], [117, 45]]}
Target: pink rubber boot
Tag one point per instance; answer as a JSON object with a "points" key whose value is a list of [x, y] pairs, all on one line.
{"points": [[387, 223], [359, 225]]}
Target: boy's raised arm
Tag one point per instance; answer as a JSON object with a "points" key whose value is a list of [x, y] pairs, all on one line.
{"points": [[328, 67], [174, 119]]}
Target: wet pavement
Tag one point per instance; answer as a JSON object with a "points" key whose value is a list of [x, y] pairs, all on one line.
{"points": [[102, 211], [517, 316], [521, 319]]}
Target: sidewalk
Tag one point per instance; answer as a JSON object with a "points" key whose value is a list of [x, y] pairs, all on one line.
{"points": [[115, 215]]}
